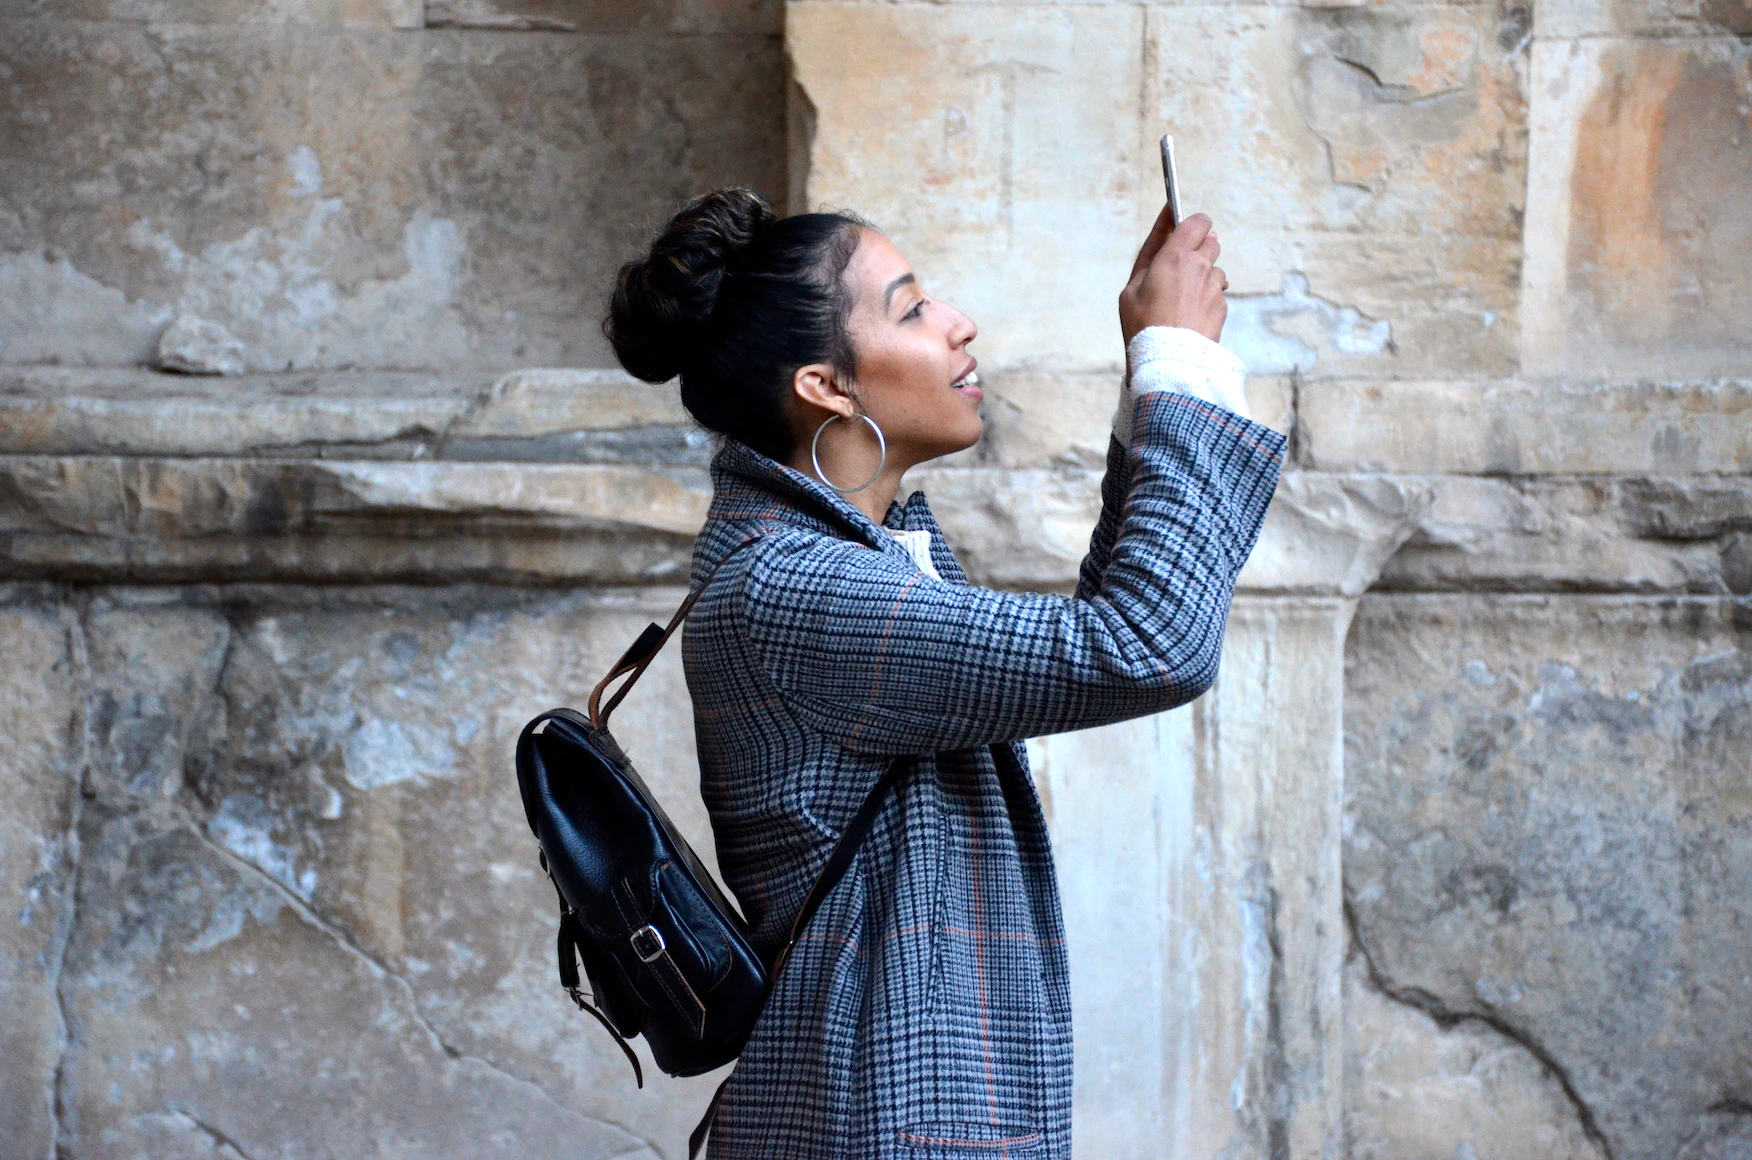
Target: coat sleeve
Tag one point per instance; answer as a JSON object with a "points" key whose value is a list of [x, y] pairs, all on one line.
{"points": [[885, 660]]}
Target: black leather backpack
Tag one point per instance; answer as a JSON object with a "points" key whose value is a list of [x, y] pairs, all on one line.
{"points": [[665, 953]]}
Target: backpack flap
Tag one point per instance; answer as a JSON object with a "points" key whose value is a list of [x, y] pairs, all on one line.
{"points": [[666, 955]]}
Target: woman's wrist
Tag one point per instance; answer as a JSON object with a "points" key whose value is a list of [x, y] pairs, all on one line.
{"points": [[1172, 358]]}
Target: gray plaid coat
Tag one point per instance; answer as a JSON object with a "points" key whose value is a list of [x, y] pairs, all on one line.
{"points": [[927, 1010]]}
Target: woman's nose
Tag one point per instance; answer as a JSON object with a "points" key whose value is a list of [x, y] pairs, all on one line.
{"points": [[961, 328]]}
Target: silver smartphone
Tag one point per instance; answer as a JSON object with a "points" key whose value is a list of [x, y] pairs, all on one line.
{"points": [[1171, 180]]}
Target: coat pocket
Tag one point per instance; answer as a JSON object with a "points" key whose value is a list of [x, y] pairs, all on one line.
{"points": [[955, 1141]]}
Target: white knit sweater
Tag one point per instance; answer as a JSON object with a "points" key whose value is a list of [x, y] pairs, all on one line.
{"points": [[1172, 358]]}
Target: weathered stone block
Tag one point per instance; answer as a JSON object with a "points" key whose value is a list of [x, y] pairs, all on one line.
{"points": [[1601, 534], [1639, 226], [202, 994], [1520, 428], [1330, 535], [1569, 19], [303, 802], [134, 412], [194, 346], [663, 16], [1364, 166], [1548, 825], [1002, 159], [362, 13], [350, 197], [254, 519], [536, 415], [39, 780], [1421, 1089]]}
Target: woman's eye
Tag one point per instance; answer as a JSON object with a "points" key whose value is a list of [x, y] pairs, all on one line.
{"points": [[917, 309]]}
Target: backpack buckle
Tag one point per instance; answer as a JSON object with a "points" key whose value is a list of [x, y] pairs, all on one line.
{"points": [[648, 943]]}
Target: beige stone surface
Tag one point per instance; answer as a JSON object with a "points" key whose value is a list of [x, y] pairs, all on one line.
{"points": [[114, 506], [1519, 428], [1365, 165], [343, 196], [1003, 164], [1639, 226], [1325, 142], [39, 777], [1547, 828], [1416, 1089]]}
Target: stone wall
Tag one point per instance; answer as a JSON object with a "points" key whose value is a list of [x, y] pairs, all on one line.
{"points": [[1452, 862]]}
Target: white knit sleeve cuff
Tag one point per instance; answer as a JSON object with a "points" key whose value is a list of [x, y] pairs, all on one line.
{"points": [[1172, 358]]}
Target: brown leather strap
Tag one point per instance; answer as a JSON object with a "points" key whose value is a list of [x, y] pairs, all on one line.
{"points": [[697, 1138], [644, 650]]}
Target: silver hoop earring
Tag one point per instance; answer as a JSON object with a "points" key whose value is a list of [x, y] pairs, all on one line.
{"points": [[815, 456]]}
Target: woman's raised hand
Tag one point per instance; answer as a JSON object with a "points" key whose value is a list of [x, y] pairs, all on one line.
{"points": [[1175, 281]]}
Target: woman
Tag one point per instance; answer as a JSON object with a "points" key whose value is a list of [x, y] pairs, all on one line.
{"points": [[926, 1010]]}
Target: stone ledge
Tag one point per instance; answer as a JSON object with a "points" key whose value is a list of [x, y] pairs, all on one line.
{"points": [[100, 496], [107, 518], [1034, 419], [1630, 534], [1525, 427], [531, 415]]}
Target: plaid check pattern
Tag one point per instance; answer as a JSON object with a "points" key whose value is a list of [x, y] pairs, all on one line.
{"points": [[926, 1013]]}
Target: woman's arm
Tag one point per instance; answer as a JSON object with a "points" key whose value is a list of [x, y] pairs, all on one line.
{"points": [[1159, 358], [885, 660]]}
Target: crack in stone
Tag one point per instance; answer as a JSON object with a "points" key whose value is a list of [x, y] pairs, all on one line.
{"points": [[483, 398], [212, 1133], [1730, 1106], [339, 937], [1446, 1017], [57, 1093], [1280, 1100], [1391, 93]]}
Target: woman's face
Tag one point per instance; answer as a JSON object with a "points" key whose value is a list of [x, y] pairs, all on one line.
{"points": [[913, 364]]}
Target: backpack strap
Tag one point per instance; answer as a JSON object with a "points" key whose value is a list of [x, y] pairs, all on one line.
{"points": [[644, 650], [850, 840]]}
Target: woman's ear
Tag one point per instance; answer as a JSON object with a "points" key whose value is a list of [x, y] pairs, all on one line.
{"points": [[818, 385]]}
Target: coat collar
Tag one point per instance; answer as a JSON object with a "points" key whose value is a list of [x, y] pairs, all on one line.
{"points": [[749, 488]]}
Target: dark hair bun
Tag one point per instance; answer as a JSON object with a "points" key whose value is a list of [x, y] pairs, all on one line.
{"points": [[660, 316]]}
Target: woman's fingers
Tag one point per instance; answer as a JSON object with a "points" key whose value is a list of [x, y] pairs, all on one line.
{"points": [[1158, 234], [1179, 284], [1191, 233]]}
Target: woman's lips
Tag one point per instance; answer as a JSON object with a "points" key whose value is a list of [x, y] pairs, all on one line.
{"points": [[968, 384]]}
